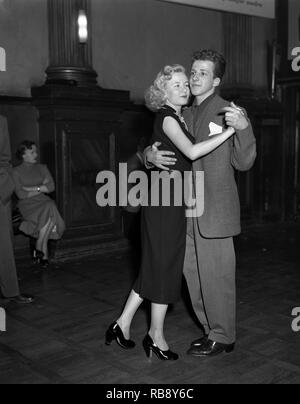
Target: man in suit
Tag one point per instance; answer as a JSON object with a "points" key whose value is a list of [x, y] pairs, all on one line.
{"points": [[8, 275], [210, 262]]}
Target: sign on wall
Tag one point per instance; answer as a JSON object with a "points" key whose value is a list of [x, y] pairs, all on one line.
{"points": [[260, 8]]}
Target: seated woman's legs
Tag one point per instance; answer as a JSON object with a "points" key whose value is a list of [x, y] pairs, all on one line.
{"points": [[44, 235], [39, 242], [45, 248]]}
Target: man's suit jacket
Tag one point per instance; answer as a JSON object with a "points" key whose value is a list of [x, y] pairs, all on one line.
{"points": [[6, 182], [221, 217]]}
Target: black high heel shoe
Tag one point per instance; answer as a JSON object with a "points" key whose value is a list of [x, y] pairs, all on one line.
{"points": [[115, 333], [150, 347], [37, 256], [44, 263]]}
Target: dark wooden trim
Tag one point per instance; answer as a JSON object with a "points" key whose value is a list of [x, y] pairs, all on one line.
{"points": [[13, 100], [290, 81]]}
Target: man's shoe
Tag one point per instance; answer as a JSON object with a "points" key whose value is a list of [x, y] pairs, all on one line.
{"points": [[210, 348], [22, 299], [199, 341]]}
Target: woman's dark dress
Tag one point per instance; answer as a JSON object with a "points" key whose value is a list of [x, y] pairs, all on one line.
{"points": [[164, 231]]}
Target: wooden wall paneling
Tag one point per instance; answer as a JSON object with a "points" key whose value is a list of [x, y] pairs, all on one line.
{"points": [[288, 82], [291, 101], [237, 45], [79, 124], [261, 189]]}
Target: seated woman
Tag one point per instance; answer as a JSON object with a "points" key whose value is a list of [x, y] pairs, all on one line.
{"points": [[41, 218]]}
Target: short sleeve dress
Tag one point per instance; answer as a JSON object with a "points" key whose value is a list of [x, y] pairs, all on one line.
{"points": [[37, 210], [164, 230]]}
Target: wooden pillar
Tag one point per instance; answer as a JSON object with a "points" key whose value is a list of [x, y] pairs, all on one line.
{"points": [[79, 123], [70, 60]]}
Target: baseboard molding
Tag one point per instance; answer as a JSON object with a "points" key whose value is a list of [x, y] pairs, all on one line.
{"points": [[77, 249], [89, 250]]}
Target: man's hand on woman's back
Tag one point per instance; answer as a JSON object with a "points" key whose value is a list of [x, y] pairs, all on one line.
{"points": [[159, 158]]}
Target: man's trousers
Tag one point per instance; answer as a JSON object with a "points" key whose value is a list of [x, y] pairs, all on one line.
{"points": [[210, 268], [8, 274]]}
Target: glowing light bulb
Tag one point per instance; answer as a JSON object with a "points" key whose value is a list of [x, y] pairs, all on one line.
{"points": [[82, 26]]}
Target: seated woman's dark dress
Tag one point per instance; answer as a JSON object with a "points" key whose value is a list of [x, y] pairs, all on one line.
{"points": [[164, 231], [37, 210]]}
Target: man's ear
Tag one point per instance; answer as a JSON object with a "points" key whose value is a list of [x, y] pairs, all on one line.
{"points": [[217, 82]]}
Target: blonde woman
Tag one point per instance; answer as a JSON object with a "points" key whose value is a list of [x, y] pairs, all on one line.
{"points": [[164, 227]]}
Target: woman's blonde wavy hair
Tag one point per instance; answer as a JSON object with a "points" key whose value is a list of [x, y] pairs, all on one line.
{"points": [[155, 96]]}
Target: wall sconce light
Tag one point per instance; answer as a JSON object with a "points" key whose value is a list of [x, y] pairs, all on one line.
{"points": [[82, 27]]}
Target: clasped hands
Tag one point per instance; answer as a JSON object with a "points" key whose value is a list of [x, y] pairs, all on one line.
{"points": [[42, 188], [234, 117]]}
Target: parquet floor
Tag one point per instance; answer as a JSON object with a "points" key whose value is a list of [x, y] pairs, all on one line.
{"points": [[60, 338]]}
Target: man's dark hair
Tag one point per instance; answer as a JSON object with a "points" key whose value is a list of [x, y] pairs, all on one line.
{"points": [[215, 57], [25, 145]]}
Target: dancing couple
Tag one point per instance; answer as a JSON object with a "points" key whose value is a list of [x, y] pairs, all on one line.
{"points": [[216, 137]]}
